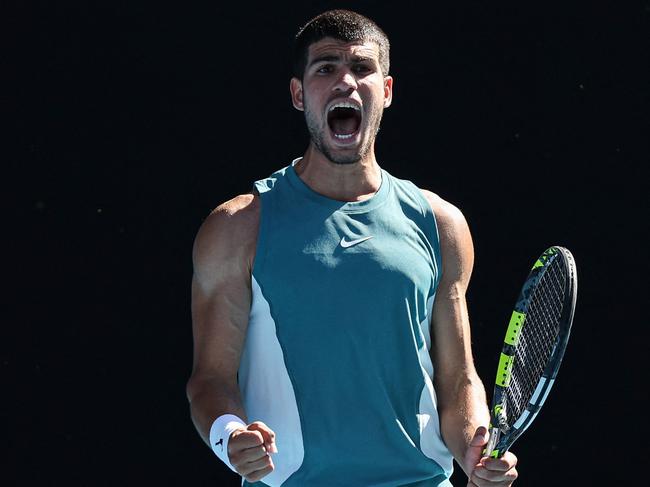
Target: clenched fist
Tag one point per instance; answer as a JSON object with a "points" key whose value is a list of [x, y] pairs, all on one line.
{"points": [[249, 451]]}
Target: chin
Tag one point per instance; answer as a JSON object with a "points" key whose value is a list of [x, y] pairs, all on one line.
{"points": [[343, 156], [344, 161]]}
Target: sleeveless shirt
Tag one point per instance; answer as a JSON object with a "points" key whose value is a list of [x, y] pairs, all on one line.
{"points": [[336, 357]]}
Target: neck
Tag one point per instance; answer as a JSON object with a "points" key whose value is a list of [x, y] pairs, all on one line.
{"points": [[343, 182]]}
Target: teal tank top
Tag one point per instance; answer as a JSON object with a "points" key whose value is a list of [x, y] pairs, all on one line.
{"points": [[336, 358]]}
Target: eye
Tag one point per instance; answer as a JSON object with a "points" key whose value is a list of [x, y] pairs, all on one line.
{"points": [[362, 68], [324, 69]]}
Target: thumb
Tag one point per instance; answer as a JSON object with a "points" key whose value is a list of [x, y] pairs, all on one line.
{"points": [[481, 437], [267, 433], [475, 450]]}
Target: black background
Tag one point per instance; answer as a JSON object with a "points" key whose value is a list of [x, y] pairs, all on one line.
{"points": [[127, 122]]}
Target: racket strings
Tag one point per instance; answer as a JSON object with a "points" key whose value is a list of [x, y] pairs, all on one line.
{"points": [[538, 339]]}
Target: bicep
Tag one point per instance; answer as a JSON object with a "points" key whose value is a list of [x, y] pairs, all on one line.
{"points": [[221, 294], [451, 349]]}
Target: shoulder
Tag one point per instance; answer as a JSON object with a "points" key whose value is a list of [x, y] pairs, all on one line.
{"points": [[456, 244], [237, 217], [236, 213], [228, 233], [449, 217]]}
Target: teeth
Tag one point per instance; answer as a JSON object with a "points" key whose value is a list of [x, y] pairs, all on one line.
{"points": [[339, 136], [344, 104]]}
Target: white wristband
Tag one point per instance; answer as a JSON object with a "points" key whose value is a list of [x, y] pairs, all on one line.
{"points": [[220, 432]]}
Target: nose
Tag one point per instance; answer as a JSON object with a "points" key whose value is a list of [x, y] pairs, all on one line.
{"points": [[345, 81]]}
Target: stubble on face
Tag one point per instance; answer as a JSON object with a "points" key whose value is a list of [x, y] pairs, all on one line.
{"points": [[318, 127], [317, 132]]}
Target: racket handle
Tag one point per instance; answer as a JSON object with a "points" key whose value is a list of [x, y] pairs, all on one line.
{"points": [[492, 442]]}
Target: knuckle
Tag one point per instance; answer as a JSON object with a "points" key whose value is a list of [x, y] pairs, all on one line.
{"points": [[236, 433], [249, 438], [259, 474], [256, 453], [236, 438]]}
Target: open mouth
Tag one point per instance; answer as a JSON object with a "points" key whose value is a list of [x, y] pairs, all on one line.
{"points": [[344, 120]]}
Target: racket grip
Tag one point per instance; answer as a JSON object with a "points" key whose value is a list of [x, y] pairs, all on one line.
{"points": [[492, 442]]}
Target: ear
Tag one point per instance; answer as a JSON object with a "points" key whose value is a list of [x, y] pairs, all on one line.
{"points": [[388, 91], [296, 94]]}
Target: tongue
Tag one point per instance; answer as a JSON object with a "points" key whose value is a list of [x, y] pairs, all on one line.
{"points": [[344, 126]]}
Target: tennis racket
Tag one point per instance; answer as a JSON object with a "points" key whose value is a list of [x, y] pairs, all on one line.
{"points": [[533, 347]]}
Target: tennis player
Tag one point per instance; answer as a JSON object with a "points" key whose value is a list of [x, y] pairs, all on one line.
{"points": [[331, 336]]}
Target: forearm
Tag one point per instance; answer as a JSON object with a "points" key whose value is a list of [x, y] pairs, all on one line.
{"points": [[462, 414], [209, 399]]}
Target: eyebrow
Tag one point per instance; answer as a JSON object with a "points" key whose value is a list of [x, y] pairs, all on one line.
{"points": [[332, 58]]}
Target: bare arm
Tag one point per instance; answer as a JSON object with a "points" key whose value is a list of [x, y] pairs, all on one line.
{"points": [[462, 403], [461, 396], [223, 255], [221, 295]]}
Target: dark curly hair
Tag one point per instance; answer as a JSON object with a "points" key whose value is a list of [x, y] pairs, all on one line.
{"points": [[344, 25]]}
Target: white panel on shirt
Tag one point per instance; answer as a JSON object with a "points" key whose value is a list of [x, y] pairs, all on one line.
{"points": [[267, 390]]}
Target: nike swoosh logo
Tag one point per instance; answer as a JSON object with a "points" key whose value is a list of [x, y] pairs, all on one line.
{"points": [[345, 243]]}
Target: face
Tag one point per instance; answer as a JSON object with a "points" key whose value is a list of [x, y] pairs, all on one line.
{"points": [[343, 94]]}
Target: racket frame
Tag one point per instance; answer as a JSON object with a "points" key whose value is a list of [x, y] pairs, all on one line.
{"points": [[501, 436]]}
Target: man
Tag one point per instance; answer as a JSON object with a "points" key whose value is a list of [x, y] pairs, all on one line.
{"points": [[332, 343]]}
